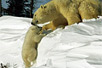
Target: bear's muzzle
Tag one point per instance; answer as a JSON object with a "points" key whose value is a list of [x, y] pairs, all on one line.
{"points": [[32, 23], [35, 22]]}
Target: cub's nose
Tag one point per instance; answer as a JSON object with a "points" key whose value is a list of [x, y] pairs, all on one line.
{"points": [[32, 23], [40, 28]]}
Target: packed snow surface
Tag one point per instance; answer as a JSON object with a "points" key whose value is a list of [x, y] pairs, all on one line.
{"points": [[76, 46]]}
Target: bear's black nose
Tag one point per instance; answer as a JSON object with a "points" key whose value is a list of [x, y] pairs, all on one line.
{"points": [[36, 21], [32, 23]]}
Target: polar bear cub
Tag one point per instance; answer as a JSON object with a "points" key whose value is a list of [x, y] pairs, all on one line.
{"points": [[29, 49]]}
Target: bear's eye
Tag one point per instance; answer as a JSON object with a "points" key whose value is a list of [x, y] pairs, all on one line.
{"points": [[35, 15]]}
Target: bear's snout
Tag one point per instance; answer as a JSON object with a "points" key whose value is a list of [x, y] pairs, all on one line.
{"points": [[32, 23], [36, 21]]}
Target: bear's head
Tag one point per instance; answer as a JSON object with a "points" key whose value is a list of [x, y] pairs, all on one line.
{"points": [[40, 15], [45, 14], [35, 29]]}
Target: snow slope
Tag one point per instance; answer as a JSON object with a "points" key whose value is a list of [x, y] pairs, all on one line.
{"points": [[76, 46], [12, 32], [77, 42]]}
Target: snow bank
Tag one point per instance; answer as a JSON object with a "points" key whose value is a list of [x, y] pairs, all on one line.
{"points": [[12, 32], [75, 42], [9, 22], [76, 46]]}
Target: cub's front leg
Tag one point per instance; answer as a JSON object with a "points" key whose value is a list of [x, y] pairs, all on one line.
{"points": [[39, 37]]}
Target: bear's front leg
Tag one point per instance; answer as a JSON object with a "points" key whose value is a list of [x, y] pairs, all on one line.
{"points": [[56, 23], [47, 27]]}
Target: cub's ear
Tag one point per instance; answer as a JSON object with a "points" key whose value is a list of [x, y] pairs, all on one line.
{"points": [[42, 6]]}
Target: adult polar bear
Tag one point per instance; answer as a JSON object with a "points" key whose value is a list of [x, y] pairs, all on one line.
{"points": [[66, 12]]}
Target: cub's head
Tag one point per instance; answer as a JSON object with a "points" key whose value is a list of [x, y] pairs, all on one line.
{"points": [[36, 29]]}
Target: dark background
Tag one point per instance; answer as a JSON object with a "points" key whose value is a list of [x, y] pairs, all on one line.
{"points": [[20, 8]]}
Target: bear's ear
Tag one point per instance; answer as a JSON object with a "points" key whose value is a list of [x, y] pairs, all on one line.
{"points": [[42, 6], [45, 6]]}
